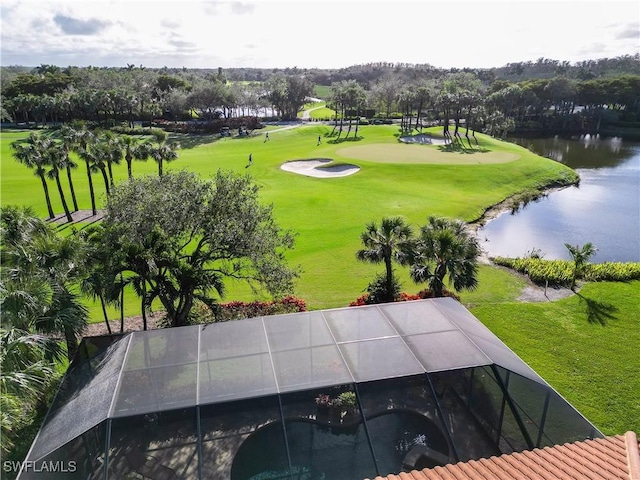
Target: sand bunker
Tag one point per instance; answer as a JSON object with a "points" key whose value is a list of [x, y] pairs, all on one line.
{"points": [[424, 140], [315, 167]]}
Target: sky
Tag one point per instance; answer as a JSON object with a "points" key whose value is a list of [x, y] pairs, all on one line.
{"points": [[313, 34]]}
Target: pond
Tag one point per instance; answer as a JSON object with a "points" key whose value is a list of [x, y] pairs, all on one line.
{"points": [[604, 209]]}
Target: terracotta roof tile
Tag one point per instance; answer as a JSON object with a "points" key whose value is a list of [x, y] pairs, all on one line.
{"points": [[610, 458]]}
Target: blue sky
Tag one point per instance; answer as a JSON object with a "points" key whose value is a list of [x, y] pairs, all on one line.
{"points": [[308, 33]]}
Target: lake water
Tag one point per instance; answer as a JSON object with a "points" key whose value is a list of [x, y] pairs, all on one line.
{"points": [[603, 210]]}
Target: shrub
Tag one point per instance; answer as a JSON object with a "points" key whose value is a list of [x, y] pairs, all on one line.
{"points": [[612, 272], [346, 399], [377, 290], [427, 293], [555, 272], [560, 272], [361, 300], [403, 297], [236, 310], [208, 126]]}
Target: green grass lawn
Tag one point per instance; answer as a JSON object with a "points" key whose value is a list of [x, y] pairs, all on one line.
{"points": [[322, 91], [589, 359], [323, 113], [593, 365], [329, 214]]}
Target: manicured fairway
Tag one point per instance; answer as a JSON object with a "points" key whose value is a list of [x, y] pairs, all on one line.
{"points": [[329, 214]]}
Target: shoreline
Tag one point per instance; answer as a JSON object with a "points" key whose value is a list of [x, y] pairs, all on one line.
{"points": [[506, 205]]}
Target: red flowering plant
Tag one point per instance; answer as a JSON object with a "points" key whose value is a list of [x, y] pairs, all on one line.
{"points": [[323, 400]]}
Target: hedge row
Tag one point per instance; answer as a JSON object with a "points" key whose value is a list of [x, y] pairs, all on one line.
{"points": [[560, 272], [237, 310], [403, 297], [208, 126]]}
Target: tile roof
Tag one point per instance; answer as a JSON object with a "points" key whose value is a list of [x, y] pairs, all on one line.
{"points": [[607, 458]]}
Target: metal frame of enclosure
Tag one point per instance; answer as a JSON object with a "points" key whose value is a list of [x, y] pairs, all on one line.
{"points": [[343, 393]]}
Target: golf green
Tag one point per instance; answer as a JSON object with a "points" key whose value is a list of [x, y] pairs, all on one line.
{"points": [[426, 154]]}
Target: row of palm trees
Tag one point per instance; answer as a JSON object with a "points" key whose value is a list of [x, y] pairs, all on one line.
{"points": [[50, 157], [442, 247]]}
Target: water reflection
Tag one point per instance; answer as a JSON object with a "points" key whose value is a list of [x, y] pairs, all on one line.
{"points": [[604, 209], [586, 151]]}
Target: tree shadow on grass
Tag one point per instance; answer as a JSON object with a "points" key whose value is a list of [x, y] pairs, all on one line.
{"points": [[598, 312], [457, 147], [187, 141], [335, 141]]}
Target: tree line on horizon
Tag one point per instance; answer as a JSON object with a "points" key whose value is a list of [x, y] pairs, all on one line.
{"points": [[542, 94]]}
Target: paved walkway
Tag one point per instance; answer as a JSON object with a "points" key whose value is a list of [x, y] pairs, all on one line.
{"points": [[306, 115]]}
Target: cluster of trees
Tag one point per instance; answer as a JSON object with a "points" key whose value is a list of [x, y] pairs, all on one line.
{"points": [[174, 239], [442, 248], [462, 98], [51, 156], [111, 96], [519, 92]]}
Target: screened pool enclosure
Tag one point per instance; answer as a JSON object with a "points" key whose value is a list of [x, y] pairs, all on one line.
{"points": [[344, 393]]}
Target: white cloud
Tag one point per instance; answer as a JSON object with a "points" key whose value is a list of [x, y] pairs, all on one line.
{"points": [[310, 33]]}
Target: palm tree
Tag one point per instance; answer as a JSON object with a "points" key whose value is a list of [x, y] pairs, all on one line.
{"points": [[133, 151], [39, 260], [384, 243], [32, 154], [97, 155], [97, 281], [580, 256], [19, 224], [445, 247], [25, 372], [67, 140], [115, 148], [78, 138], [57, 157], [162, 151]]}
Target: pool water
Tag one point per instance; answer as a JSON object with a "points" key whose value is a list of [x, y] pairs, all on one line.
{"points": [[322, 452]]}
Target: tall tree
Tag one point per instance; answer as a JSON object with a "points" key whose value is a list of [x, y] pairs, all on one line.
{"points": [[385, 243], [288, 93], [133, 150], [31, 153], [67, 141], [445, 247], [185, 235], [161, 151], [57, 155], [96, 156], [79, 137], [115, 148], [97, 279], [355, 98]]}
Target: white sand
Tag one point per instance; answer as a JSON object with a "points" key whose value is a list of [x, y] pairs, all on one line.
{"points": [[314, 168]]}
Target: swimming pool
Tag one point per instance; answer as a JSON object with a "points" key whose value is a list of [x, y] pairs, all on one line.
{"points": [[327, 452]]}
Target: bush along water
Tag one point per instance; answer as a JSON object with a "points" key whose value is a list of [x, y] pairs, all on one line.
{"points": [[560, 272]]}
